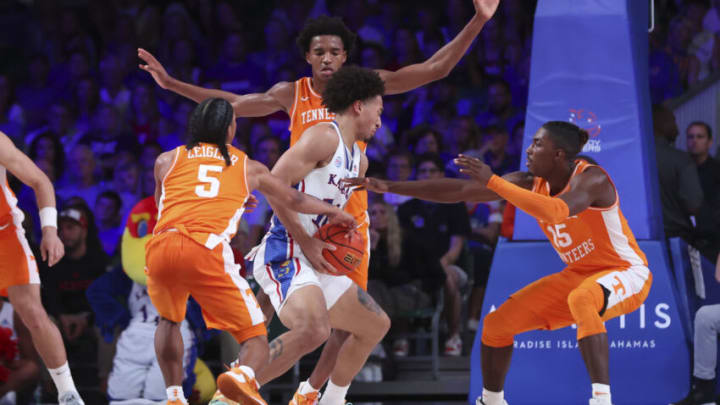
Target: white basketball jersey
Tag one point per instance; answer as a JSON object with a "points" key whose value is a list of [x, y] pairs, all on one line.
{"points": [[141, 308], [324, 182]]}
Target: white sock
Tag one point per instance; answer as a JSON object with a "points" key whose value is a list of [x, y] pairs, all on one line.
{"points": [[334, 395], [62, 378], [250, 373], [601, 392], [306, 388], [175, 393], [493, 398]]}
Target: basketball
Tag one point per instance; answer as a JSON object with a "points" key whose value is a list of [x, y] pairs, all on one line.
{"points": [[349, 246]]}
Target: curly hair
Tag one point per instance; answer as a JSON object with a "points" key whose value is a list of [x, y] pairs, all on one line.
{"points": [[325, 25], [350, 84], [209, 123]]}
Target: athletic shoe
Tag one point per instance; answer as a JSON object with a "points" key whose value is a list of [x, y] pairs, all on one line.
{"points": [[310, 398], [70, 398], [702, 392], [237, 386], [453, 346], [480, 402], [595, 401], [220, 399], [401, 347]]}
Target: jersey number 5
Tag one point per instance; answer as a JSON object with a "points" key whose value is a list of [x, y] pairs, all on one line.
{"points": [[210, 185], [560, 238]]}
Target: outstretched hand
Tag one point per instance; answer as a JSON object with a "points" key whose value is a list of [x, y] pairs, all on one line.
{"points": [[369, 183], [154, 67], [485, 8], [475, 168]]}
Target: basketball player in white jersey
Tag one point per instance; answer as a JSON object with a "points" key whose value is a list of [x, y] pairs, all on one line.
{"points": [[308, 296], [19, 278]]}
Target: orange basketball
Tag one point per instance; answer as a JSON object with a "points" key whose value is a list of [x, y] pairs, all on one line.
{"points": [[349, 247]]}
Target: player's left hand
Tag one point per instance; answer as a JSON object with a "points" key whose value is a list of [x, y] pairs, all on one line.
{"points": [[475, 168], [342, 218], [251, 204], [51, 247], [485, 8]]}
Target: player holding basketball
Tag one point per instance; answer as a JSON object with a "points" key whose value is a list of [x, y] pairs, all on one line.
{"points": [[307, 300], [201, 189], [19, 278], [325, 44], [577, 207]]}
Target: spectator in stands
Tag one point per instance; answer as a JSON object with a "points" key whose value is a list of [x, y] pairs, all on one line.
{"points": [[699, 141], [235, 71], [109, 221], [79, 178], [705, 343], [85, 101], [500, 108], [404, 273], [113, 91], [64, 285], [108, 138], [443, 229], [496, 155], [463, 136], [373, 56], [126, 183], [266, 151], [183, 63], [399, 168], [680, 193], [12, 117], [61, 122], [143, 113], [37, 94]]}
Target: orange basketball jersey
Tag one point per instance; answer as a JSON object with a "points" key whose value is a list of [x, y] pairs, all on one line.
{"points": [[595, 239], [308, 110], [202, 196], [9, 212]]}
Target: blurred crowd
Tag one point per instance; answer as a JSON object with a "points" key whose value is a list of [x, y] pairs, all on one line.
{"points": [[72, 96]]}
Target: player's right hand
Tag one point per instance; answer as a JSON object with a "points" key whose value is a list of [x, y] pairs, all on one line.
{"points": [[155, 68], [370, 183], [340, 217], [312, 249], [51, 247]]}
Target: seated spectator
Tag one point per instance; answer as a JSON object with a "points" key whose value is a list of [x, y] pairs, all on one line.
{"points": [[79, 179], [126, 183], [442, 228], [399, 168], [681, 195], [143, 114], [424, 139], [12, 117], [37, 94], [699, 141], [500, 108], [108, 138], [404, 274], [86, 99], [464, 135], [61, 122], [235, 72], [496, 155], [113, 91], [19, 374], [109, 221]]}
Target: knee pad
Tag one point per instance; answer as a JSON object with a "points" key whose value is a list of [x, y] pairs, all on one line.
{"points": [[585, 306]]}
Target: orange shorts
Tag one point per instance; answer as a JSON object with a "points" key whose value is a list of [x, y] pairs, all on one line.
{"points": [[548, 297], [360, 275], [178, 267], [17, 263]]}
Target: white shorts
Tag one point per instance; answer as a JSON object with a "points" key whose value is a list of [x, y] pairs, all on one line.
{"points": [[280, 278], [136, 373]]}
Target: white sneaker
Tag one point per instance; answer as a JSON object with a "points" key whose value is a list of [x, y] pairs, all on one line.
{"points": [[480, 402], [70, 398], [453, 346], [596, 401]]}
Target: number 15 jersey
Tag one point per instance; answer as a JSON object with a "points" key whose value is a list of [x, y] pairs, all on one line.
{"points": [[203, 197]]}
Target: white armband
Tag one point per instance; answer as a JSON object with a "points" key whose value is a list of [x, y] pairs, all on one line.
{"points": [[48, 217]]}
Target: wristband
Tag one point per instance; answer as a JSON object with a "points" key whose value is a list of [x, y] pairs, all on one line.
{"points": [[48, 217]]}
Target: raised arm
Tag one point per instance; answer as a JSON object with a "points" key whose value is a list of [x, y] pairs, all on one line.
{"points": [[444, 60], [445, 190], [279, 97], [51, 248]]}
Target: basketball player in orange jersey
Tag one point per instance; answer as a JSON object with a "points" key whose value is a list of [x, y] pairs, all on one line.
{"points": [[578, 208], [202, 189], [19, 278], [325, 44]]}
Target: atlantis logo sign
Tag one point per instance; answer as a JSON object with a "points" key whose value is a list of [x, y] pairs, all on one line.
{"points": [[633, 331], [588, 121]]}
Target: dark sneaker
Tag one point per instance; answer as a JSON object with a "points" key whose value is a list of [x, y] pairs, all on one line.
{"points": [[702, 392]]}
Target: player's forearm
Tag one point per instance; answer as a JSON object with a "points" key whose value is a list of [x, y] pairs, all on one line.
{"points": [[288, 217], [44, 191], [196, 93], [443, 190], [449, 55], [545, 208]]}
